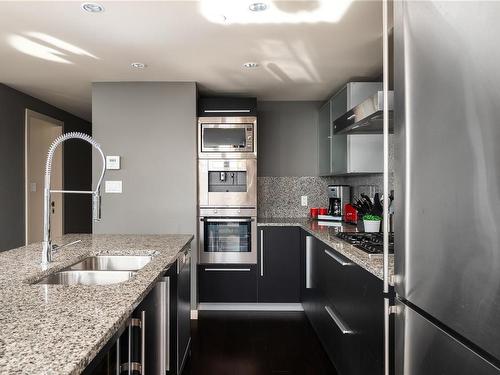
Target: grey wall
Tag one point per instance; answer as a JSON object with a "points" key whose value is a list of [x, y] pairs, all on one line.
{"points": [[287, 138], [152, 126], [77, 167], [288, 160]]}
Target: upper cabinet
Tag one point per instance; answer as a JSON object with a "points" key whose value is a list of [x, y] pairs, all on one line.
{"points": [[348, 154], [325, 136], [226, 106]]}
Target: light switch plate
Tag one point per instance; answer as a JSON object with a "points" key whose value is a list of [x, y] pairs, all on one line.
{"points": [[303, 200], [113, 187], [112, 162]]}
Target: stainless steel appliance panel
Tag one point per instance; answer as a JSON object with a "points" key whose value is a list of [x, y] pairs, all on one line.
{"points": [[183, 308], [159, 339], [235, 243], [227, 137], [447, 180], [423, 348], [246, 197]]}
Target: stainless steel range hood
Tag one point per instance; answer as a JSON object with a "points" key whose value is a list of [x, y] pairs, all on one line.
{"points": [[366, 117]]}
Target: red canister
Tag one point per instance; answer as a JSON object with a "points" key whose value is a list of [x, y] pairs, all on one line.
{"points": [[314, 212], [323, 211]]}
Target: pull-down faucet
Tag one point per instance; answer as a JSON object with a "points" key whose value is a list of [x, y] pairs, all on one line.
{"points": [[47, 245]]}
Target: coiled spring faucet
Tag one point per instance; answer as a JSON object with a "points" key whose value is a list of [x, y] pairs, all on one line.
{"points": [[47, 246]]}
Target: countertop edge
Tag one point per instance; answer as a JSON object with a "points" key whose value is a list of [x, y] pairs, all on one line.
{"points": [[350, 252]]}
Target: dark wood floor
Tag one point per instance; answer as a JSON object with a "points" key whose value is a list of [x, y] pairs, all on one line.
{"points": [[255, 343]]}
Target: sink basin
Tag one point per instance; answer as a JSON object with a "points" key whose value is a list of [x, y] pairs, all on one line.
{"points": [[87, 277], [112, 263]]}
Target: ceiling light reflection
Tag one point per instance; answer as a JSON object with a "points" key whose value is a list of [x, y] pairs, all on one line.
{"points": [[61, 44], [29, 47], [237, 12]]}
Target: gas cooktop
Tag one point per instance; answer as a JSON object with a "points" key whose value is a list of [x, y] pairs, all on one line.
{"points": [[372, 243]]}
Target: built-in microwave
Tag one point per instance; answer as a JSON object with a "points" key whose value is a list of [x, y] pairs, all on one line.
{"points": [[227, 137]]}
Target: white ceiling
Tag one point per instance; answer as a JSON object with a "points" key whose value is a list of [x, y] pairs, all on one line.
{"points": [[299, 61]]}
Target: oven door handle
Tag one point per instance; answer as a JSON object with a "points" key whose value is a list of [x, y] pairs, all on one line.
{"points": [[228, 220]]}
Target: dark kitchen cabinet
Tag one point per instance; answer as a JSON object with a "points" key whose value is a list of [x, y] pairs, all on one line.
{"points": [[155, 339], [227, 283], [278, 265], [226, 106], [345, 306]]}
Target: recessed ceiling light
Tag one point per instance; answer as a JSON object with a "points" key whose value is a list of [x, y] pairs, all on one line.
{"points": [[250, 65], [92, 7], [257, 7], [138, 65]]}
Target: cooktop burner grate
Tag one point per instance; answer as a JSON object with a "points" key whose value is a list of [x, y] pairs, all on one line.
{"points": [[372, 243]]}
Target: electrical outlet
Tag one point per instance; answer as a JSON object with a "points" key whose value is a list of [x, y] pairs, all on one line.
{"points": [[303, 200], [113, 187]]}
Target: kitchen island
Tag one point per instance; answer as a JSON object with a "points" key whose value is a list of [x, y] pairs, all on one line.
{"points": [[59, 329]]}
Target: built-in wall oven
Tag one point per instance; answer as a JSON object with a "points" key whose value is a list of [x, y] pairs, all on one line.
{"points": [[227, 183], [227, 236], [227, 137]]}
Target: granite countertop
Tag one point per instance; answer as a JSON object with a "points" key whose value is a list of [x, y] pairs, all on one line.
{"points": [[326, 233], [56, 329]]}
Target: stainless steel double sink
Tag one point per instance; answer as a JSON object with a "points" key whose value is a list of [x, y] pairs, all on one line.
{"points": [[99, 270]]}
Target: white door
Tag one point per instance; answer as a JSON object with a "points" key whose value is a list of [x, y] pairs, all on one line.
{"points": [[41, 131]]}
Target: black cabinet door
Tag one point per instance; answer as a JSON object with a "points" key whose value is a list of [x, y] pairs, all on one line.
{"points": [[355, 299], [278, 264], [227, 106], [311, 295], [227, 283]]}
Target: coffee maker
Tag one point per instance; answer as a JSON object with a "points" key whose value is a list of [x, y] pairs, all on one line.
{"points": [[338, 197]]}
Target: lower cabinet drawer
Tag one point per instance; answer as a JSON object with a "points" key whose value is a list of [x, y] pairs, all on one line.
{"points": [[353, 299], [227, 283]]}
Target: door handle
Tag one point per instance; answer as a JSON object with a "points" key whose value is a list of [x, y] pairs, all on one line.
{"points": [[228, 269], [227, 220], [344, 328], [165, 325], [261, 252], [309, 245], [118, 367], [143, 342], [338, 259]]}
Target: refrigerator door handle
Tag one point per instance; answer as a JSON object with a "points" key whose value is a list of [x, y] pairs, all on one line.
{"points": [[385, 52]]}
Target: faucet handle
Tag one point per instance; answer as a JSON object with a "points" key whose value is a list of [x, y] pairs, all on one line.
{"points": [[96, 206], [56, 248]]}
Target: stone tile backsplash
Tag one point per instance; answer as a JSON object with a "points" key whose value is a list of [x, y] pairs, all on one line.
{"points": [[280, 196]]}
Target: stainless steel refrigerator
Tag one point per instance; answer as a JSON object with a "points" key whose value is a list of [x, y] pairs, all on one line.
{"points": [[447, 184]]}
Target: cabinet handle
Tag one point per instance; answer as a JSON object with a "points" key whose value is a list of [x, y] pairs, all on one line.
{"points": [[338, 259], [165, 325], [309, 244], [261, 252], [228, 269], [143, 342], [118, 365], [338, 321]]}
